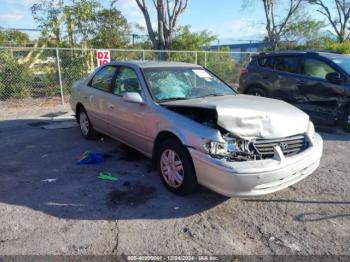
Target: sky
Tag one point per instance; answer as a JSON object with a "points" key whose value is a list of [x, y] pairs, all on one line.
{"points": [[225, 18]]}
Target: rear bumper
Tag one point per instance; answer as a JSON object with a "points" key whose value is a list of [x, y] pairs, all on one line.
{"points": [[254, 178]]}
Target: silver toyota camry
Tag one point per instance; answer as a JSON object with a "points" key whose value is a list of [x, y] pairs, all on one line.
{"points": [[197, 129]]}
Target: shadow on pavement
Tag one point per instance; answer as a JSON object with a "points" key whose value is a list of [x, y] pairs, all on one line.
{"points": [[31, 156]]}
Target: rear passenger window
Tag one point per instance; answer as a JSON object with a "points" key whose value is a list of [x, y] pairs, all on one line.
{"points": [[266, 62], [288, 64], [103, 78]]}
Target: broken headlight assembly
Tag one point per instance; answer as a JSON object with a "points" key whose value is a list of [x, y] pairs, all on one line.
{"points": [[234, 149]]}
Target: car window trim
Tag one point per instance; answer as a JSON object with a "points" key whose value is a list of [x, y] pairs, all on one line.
{"points": [[110, 86]]}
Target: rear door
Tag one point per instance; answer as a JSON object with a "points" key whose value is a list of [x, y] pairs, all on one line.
{"points": [[320, 98], [287, 78], [98, 95]]}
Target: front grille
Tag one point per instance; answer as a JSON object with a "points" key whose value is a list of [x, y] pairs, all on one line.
{"points": [[289, 146]]}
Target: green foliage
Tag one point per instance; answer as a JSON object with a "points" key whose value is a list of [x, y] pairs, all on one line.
{"points": [[302, 29], [13, 38], [15, 78], [343, 48], [223, 65], [84, 15], [111, 29], [187, 40], [74, 66], [47, 14]]}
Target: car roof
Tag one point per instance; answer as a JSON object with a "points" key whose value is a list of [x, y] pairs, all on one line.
{"points": [[327, 54], [153, 64]]}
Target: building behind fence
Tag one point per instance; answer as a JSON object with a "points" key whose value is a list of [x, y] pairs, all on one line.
{"points": [[50, 72]]}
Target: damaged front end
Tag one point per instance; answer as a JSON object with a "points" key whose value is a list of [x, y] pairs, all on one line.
{"points": [[234, 148]]}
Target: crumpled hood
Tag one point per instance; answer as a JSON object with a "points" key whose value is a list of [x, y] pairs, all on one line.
{"points": [[252, 117]]}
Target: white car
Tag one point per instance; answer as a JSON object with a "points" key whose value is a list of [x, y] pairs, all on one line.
{"points": [[197, 129]]}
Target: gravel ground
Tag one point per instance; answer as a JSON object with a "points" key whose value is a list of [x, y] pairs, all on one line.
{"points": [[80, 214]]}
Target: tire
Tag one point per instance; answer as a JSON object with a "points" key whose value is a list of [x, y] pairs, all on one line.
{"points": [[183, 181], [346, 123], [86, 128], [256, 91]]}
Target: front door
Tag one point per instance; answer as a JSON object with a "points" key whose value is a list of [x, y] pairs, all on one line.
{"points": [[128, 121], [321, 98]]}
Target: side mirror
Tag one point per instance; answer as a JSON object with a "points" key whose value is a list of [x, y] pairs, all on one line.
{"points": [[334, 77], [133, 97]]}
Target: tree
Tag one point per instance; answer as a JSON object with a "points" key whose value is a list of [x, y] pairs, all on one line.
{"points": [[13, 37], [277, 17], [84, 18], [111, 29], [275, 24], [302, 29], [47, 13], [187, 40], [339, 20], [168, 13]]}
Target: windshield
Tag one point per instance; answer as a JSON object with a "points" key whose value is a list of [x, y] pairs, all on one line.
{"points": [[343, 62], [184, 83]]}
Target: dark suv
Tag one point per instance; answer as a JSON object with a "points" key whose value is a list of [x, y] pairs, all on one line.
{"points": [[316, 82]]}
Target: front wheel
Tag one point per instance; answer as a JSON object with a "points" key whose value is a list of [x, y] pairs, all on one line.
{"points": [[85, 125], [176, 167]]}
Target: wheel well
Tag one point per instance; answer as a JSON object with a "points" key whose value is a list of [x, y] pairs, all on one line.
{"points": [[161, 137], [77, 109]]}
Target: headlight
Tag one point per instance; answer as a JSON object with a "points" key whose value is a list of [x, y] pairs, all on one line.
{"points": [[311, 129], [216, 148], [222, 149]]}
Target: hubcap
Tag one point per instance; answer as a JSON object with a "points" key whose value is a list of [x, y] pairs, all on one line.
{"points": [[84, 123], [348, 119], [171, 168]]}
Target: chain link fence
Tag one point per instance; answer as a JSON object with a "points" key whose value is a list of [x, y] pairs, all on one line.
{"points": [[36, 77]]}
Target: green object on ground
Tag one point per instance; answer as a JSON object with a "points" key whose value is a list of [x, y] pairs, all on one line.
{"points": [[106, 176]]}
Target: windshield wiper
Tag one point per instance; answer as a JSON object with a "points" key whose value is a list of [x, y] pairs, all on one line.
{"points": [[211, 95], [172, 99]]}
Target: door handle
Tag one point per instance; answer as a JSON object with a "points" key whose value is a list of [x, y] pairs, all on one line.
{"points": [[110, 106]]}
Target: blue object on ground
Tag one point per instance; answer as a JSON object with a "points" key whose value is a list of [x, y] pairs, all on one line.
{"points": [[90, 158]]}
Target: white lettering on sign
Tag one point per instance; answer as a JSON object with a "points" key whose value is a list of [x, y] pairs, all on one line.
{"points": [[103, 57]]}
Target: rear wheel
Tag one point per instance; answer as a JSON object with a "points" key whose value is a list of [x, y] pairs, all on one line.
{"points": [[256, 91], [85, 125], [176, 167]]}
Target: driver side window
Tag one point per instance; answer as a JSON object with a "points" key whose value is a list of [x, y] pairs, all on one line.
{"points": [[316, 68], [126, 81]]}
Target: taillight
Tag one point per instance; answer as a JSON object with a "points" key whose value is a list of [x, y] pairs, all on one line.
{"points": [[244, 71]]}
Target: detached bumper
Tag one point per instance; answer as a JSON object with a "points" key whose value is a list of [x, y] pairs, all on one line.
{"points": [[254, 178]]}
